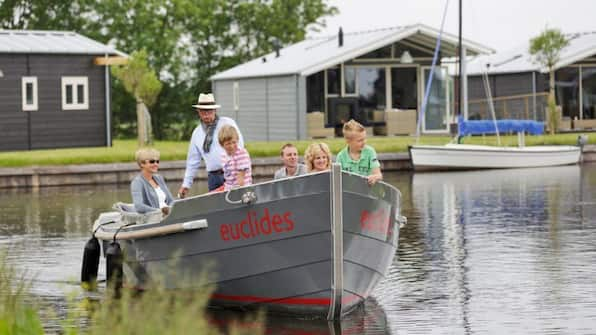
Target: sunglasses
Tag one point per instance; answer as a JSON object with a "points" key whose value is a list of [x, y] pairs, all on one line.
{"points": [[152, 161]]}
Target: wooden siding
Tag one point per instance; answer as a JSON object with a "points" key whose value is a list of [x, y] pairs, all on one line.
{"points": [[267, 107], [50, 126], [283, 107], [13, 121]]}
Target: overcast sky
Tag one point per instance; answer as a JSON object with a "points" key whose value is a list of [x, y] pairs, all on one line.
{"points": [[499, 24]]}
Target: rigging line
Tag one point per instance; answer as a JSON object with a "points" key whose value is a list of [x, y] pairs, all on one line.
{"points": [[431, 74], [489, 100]]}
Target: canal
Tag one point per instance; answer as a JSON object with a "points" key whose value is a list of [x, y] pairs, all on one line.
{"points": [[500, 251]]}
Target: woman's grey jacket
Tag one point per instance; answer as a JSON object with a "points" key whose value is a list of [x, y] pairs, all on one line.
{"points": [[144, 196]]}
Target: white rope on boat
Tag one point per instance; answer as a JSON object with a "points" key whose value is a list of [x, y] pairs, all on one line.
{"points": [[153, 231]]}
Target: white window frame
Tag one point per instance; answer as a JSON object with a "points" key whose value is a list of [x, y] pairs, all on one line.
{"points": [[74, 82], [343, 82], [33, 81]]}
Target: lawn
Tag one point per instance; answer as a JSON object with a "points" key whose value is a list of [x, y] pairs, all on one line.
{"points": [[123, 150]]}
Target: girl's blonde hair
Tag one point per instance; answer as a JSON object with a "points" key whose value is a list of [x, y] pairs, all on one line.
{"points": [[144, 154], [313, 151], [352, 127], [227, 133]]}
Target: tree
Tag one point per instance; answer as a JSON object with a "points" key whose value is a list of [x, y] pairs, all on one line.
{"points": [[186, 41], [141, 82], [546, 50]]}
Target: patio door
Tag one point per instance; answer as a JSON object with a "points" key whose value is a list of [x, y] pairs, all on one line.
{"points": [[437, 115]]}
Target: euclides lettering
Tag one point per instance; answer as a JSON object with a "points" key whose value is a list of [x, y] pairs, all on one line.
{"points": [[376, 221], [253, 226]]}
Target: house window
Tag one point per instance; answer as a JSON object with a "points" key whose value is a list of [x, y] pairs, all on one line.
{"points": [[333, 81], [350, 80], [404, 88], [29, 93], [315, 92], [75, 93]]}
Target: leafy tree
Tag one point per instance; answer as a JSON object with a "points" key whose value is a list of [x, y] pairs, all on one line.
{"points": [[140, 81], [546, 50], [187, 41]]}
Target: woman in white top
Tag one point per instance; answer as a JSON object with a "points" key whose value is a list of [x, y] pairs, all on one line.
{"points": [[148, 189]]}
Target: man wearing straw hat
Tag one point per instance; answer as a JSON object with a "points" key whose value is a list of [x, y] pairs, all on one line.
{"points": [[204, 145]]}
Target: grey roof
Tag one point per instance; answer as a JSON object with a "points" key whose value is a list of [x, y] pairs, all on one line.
{"points": [[51, 42], [315, 54], [518, 59]]}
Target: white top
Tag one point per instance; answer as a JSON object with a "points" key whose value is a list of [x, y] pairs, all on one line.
{"points": [[161, 197], [213, 157]]}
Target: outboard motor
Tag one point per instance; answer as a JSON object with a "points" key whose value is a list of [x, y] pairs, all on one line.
{"points": [[90, 263], [114, 266]]}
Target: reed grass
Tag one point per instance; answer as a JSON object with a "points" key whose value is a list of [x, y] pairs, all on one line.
{"points": [[123, 150], [155, 312], [16, 316]]}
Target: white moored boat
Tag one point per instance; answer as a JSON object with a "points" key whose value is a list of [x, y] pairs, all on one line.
{"points": [[467, 156]]}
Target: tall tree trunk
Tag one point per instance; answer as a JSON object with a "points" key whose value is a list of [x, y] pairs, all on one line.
{"points": [[141, 133], [553, 115]]}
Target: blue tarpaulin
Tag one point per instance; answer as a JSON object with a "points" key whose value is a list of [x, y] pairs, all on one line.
{"points": [[476, 127]]}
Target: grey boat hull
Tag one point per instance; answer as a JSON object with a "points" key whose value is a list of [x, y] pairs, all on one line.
{"points": [[315, 244]]}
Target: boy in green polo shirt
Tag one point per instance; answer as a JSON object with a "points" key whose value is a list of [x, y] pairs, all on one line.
{"points": [[357, 157]]}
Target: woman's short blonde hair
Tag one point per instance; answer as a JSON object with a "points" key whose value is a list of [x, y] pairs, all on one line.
{"points": [[313, 151], [352, 127], [144, 154], [227, 133]]}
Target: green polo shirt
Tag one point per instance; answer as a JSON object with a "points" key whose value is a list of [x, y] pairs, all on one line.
{"points": [[364, 166]]}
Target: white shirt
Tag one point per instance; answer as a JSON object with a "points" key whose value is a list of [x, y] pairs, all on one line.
{"points": [[213, 157], [161, 197]]}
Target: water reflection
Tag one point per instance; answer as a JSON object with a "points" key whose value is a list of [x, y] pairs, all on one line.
{"points": [[500, 251], [492, 250], [369, 319]]}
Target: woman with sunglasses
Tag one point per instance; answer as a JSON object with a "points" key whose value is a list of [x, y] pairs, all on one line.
{"points": [[149, 190]]}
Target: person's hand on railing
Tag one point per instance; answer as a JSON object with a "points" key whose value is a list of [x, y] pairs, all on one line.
{"points": [[182, 192]]}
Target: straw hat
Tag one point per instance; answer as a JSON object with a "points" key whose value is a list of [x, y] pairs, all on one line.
{"points": [[206, 101]]}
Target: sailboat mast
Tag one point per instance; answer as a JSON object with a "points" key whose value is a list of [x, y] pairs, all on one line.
{"points": [[460, 50]]}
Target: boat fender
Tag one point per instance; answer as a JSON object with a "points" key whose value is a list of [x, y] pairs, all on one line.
{"points": [[114, 265], [90, 265]]}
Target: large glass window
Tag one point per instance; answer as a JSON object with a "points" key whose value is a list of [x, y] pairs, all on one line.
{"points": [[567, 90], [404, 92], [589, 92], [315, 93], [349, 80], [333, 81], [371, 90], [436, 116]]}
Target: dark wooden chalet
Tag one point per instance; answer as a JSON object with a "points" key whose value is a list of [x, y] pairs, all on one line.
{"points": [[54, 90]]}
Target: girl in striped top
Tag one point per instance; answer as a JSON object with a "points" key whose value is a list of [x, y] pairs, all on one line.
{"points": [[235, 161]]}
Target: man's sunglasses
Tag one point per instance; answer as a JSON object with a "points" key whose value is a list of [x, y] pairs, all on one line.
{"points": [[152, 161]]}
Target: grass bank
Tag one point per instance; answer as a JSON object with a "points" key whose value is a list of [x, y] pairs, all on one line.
{"points": [[123, 150]]}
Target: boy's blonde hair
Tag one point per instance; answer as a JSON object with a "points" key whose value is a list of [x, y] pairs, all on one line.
{"points": [[312, 151], [227, 133], [351, 127], [144, 154]]}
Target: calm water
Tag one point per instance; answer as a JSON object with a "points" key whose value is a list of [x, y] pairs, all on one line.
{"points": [[491, 252]]}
